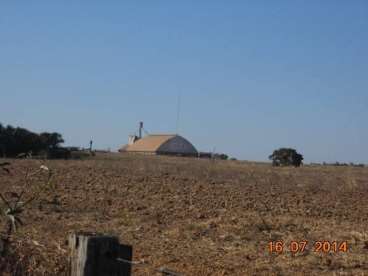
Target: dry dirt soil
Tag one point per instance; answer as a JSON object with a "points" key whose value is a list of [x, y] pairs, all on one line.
{"points": [[197, 217]]}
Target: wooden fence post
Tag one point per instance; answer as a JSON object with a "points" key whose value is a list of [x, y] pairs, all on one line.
{"points": [[95, 255]]}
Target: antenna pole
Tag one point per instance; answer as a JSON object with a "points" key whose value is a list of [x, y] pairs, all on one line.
{"points": [[178, 114]]}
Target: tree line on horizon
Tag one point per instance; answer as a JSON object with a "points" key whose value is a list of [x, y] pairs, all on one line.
{"points": [[16, 140]]}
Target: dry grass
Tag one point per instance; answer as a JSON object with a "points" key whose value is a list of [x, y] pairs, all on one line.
{"points": [[196, 216]]}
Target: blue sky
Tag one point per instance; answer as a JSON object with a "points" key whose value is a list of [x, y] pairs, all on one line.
{"points": [[253, 75]]}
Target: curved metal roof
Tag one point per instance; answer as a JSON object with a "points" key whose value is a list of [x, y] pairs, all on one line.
{"points": [[155, 143], [150, 143]]}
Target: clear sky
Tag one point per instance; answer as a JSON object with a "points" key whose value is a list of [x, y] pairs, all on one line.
{"points": [[253, 75]]}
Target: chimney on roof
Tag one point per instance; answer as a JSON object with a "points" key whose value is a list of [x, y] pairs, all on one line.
{"points": [[140, 129], [134, 138]]}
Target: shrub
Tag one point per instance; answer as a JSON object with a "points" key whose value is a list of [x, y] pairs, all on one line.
{"points": [[286, 157], [221, 156]]}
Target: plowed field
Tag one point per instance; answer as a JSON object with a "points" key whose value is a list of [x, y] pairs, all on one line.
{"points": [[197, 217]]}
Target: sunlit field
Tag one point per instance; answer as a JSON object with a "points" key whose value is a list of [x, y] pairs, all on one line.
{"points": [[196, 217]]}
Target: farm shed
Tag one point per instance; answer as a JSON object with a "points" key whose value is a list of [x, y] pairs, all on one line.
{"points": [[160, 145]]}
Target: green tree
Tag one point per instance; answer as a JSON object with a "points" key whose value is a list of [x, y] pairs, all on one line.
{"points": [[286, 157], [51, 140], [2, 140], [15, 141]]}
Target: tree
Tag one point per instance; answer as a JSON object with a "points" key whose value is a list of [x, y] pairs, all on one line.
{"points": [[15, 141], [51, 140], [2, 140], [286, 157]]}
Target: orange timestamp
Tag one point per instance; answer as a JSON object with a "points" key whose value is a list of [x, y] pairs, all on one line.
{"points": [[297, 247]]}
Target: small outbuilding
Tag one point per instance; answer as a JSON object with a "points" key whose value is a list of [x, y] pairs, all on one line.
{"points": [[160, 144]]}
